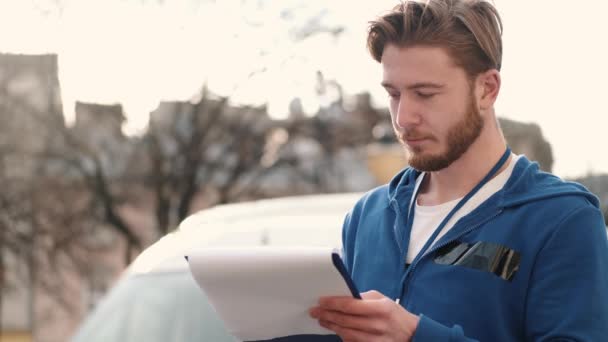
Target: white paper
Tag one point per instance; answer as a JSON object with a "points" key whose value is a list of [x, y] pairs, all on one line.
{"points": [[265, 292]]}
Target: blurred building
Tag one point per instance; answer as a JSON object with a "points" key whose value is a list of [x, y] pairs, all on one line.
{"points": [[30, 98], [100, 123], [528, 139], [31, 124], [172, 115], [598, 184], [98, 129]]}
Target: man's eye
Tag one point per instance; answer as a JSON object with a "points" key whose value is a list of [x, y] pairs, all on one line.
{"points": [[393, 95], [424, 95]]}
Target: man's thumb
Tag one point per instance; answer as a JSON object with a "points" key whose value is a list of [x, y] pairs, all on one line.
{"points": [[373, 294]]}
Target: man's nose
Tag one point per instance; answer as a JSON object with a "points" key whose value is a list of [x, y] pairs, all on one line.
{"points": [[407, 114]]}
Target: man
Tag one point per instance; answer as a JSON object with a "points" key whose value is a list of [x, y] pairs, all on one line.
{"points": [[471, 242]]}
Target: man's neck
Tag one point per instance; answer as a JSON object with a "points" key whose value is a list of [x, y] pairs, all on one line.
{"points": [[464, 174]]}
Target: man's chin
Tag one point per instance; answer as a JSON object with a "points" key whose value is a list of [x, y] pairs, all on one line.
{"points": [[427, 163]]}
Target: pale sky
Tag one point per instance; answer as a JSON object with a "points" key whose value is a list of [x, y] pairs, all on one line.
{"points": [[138, 52]]}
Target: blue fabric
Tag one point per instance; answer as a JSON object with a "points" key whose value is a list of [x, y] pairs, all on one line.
{"points": [[559, 292], [431, 331], [304, 338]]}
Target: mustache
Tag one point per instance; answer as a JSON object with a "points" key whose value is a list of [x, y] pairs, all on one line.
{"points": [[412, 135]]}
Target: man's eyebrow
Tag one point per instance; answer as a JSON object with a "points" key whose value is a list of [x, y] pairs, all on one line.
{"points": [[425, 85], [415, 86]]}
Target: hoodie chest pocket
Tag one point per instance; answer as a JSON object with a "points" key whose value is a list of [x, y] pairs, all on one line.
{"points": [[483, 256]]}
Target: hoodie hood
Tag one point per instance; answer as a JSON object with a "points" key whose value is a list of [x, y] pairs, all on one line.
{"points": [[526, 184]]}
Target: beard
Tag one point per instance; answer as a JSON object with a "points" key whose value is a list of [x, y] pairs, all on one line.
{"points": [[458, 140]]}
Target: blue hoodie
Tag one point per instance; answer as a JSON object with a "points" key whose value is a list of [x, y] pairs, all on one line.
{"points": [[529, 264]]}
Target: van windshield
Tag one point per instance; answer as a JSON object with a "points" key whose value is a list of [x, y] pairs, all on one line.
{"points": [[154, 307]]}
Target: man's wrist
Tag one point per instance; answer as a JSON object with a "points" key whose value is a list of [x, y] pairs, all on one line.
{"points": [[413, 321]]}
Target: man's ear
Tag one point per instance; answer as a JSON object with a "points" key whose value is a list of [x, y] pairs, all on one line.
{"points": [[487, 88]]}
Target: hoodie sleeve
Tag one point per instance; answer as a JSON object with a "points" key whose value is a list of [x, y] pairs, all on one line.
{"points": [[349, 235], [429, 330], [568, 296], [347, 243]]}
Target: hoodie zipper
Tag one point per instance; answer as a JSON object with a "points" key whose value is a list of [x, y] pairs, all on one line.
{"points": [[412, 267]]}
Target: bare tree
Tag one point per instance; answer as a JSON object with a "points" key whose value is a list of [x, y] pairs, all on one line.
{"points": [[36, 220], [37, 230], [74, 160], [206, 148]]}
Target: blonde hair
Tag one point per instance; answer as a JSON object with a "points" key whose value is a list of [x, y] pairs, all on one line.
{"points": [[470, 31]]}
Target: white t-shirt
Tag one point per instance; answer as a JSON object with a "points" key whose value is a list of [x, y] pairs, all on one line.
{"points": [[428, 218]]}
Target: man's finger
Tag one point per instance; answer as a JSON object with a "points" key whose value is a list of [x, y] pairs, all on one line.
{"points": [[348, 334], [361, 323], [361, 307]]}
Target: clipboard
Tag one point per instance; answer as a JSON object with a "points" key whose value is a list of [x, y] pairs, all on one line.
{"points": [[261, 293]]}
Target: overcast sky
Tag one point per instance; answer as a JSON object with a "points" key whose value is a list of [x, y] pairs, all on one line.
{"points": [[140, 52]]}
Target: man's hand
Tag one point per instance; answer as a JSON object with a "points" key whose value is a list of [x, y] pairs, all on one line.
{"points": [[373, 318]]}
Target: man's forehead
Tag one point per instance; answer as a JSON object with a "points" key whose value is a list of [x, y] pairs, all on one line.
{"points": [[417, 66], [418, 56]]}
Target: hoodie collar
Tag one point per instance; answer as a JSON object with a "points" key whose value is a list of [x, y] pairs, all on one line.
{"points": [[526, 184]]}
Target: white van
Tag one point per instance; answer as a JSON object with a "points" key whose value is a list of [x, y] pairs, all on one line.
{"points": [[157, 299]]}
